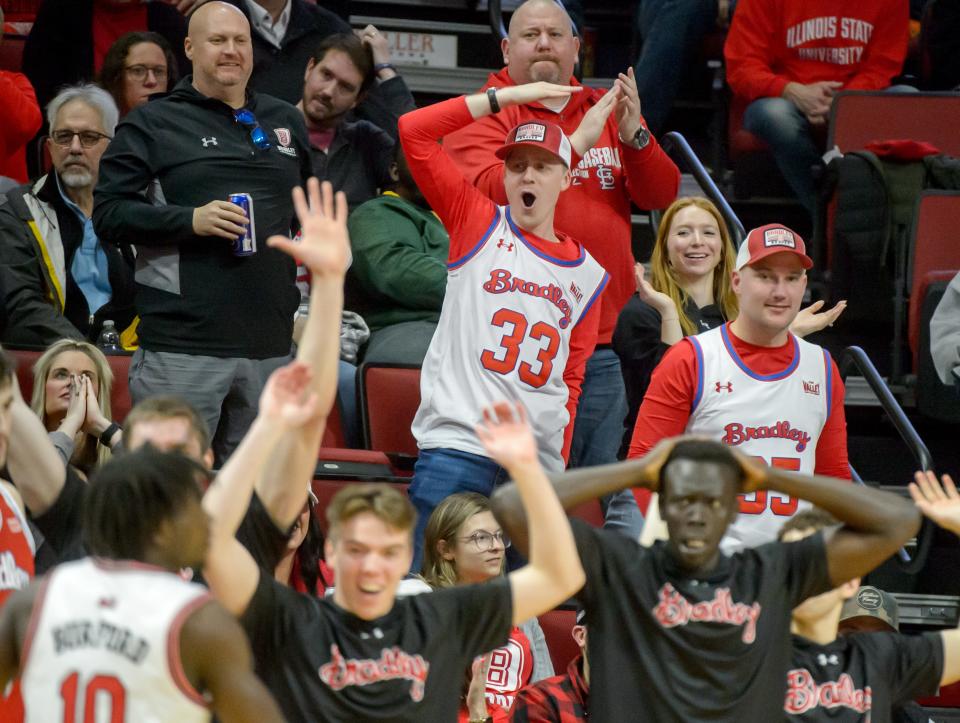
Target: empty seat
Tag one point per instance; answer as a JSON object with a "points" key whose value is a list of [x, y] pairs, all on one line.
{"points": [[389, 398], [557, 626]]}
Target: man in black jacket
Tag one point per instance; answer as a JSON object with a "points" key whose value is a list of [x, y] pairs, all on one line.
{"points": [[213, 324], [59, 279]]}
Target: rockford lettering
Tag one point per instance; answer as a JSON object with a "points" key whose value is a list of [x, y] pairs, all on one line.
{"points": [[101, 635], [393, 664], [804, 694], [674, 609], [502, 281], [736, 434]]}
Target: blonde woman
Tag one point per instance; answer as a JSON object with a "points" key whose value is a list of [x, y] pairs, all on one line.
{"points": [[71, 395], [464, 544]]}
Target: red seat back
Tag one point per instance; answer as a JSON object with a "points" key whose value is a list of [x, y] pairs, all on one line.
{"points": [[389, 399], [740, 140], [859, 117], [11, 53], [936, 254], [590, 512], [557, 626], [325, 489], [333, 433]]}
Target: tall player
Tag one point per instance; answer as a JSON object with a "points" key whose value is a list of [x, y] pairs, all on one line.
{"points": [[121, 631], [519, 318], [753, 385], [708, 633]]}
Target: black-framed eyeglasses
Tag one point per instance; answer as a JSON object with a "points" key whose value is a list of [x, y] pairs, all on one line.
{"points": [[249, 121], [139, 72], [88, 139], [484, 541]]}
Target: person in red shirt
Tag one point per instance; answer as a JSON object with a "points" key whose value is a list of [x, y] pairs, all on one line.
{"points": [[752, 384], [788, 58], [625, 166], [21, 121]]}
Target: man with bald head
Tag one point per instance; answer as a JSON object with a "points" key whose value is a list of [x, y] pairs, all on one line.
{"points": [[213, 323], [626, 165]]}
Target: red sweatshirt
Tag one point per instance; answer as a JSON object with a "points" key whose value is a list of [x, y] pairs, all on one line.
{"points": [[21, 121], [669, 399], [466, 213], [596, 208], [772, 42]]}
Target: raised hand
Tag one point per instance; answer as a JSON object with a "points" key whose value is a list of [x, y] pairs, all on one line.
{"points": [[324, 247], [533, 92], [591, 127], [628, 105], [286, 398], [476, 698], [506, 435], [939, 502], [657, 299], [377, 42], [812, 319], [95, 422], [77, 410]]}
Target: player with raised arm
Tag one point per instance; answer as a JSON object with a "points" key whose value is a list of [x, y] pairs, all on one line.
{"points": [[519, 318], [121, 630], [710, 630]]}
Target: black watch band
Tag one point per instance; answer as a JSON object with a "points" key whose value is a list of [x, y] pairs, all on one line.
{"points": [[106, 435], [492, 97]]}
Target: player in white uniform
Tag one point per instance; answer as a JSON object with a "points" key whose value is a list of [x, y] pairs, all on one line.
{"points": [[121, 637], [518, 318]]}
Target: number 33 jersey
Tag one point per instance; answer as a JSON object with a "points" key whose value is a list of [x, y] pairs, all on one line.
{"points": [[508, 315], [104, 645]]}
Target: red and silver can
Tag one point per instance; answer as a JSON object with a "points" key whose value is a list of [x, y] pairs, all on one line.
{"points": [[246, 243]]}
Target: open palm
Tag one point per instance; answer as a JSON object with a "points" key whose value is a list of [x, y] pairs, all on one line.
{"points": [[324, 246], [285, 399], [506, 435], [939, 502]]}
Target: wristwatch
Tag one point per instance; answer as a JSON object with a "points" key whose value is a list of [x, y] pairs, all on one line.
{"points": [[641, 138]]}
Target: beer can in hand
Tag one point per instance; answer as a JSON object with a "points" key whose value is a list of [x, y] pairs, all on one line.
{"points": [[246, 243]]}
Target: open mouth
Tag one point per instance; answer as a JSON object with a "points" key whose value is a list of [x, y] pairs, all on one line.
{"points": [[528, 199], [695, 257], [694, 544]]}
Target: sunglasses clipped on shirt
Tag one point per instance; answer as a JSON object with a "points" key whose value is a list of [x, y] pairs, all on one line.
{"points": [[249, 121]]}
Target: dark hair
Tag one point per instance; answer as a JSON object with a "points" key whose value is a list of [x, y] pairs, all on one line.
{"points": [[8, 366], [168, 407], [351, 46], [132, 495], [702, 450], [310, 553], [114, 63], [813, 519]]}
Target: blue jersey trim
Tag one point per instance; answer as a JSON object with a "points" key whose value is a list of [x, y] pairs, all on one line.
{"points": [[457, 263], [698, 395], [775, 377], [828, 370], [596, 295], [521, 234]]}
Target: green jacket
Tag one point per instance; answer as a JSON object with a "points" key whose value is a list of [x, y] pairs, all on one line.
{"points": [[399, 270]]}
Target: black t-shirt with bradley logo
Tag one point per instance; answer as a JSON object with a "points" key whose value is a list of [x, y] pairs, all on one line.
{"points": [[324, 664], [861, 676], [666, 646]]}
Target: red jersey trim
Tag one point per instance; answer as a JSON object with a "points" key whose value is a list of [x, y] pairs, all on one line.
{"points": [[34, 621], [457, 263], [522, 235], [174, 661], [776, 376]]}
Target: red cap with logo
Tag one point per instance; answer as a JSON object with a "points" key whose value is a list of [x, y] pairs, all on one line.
{"points": [[774, 238], [541, 134]]}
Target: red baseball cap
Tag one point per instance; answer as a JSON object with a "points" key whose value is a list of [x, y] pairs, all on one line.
{"points": [[541, 134], [774, 238]]}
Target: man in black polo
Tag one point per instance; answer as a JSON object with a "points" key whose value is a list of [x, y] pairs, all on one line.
{"points": [[213, 324]]}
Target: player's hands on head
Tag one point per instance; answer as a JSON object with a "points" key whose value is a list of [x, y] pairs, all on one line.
{"points": [[477, 691], [286, 398], [628, 105], [324, 247], [939, 501], [219, 218], [594, 120], [654, 460], [506, 435], [754, 471], [811, 319]]}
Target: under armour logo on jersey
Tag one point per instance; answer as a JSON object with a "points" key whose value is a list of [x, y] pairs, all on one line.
{"points": [[211, 141], [728, 387], [831, 659], [501, 244]]}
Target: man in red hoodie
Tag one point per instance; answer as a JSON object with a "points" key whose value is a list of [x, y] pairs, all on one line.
{"points": [[626, 164], [788, 58], [21, 120]]}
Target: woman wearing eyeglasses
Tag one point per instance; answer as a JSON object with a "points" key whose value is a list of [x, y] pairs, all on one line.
{"points": [[464, 544], [138, 65]]}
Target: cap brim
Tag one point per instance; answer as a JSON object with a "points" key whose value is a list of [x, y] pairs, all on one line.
{"points": [[503, 151], [805, 260]]}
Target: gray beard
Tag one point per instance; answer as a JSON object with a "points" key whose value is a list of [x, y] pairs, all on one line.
{"points": [[76, 178]]}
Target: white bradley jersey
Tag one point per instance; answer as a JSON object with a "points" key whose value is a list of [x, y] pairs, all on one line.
{"points": [[776, 418], [504, 332], [103, 645]]}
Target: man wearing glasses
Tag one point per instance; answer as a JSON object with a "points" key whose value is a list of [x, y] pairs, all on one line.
{"points": [[60, 280], [213, 324]]}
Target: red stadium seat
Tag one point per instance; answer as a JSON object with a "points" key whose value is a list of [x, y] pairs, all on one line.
{"points": [[333, 433], [859, 117], [590, 512], [936, 255], [325, 489], [25, 361], [11, 53], [557, 626], [389, 398]]}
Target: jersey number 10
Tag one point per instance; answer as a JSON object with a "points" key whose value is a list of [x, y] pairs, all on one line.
{"points": [[755, 503], [111, 693], [536, 378]]}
